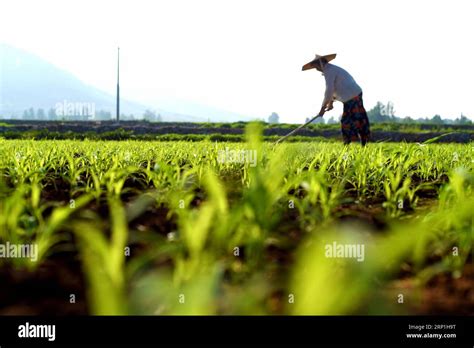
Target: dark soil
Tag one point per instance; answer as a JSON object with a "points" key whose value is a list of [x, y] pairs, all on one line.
{"points": [[442, 295], [462, 134], [46, 291]]}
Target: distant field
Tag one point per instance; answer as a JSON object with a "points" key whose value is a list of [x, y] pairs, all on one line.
{"points": [[146, 227], [234, 132]]}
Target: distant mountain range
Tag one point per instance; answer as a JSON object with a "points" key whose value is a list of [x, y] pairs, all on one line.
{"points": [[27, 80]]}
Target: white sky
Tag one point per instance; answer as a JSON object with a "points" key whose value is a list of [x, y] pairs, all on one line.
{"points": [[246, 55]]}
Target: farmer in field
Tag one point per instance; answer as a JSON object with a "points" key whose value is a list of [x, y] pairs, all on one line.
{"points": [[341, 86]]}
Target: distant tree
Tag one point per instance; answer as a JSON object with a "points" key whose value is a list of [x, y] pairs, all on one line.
{"points": [[103, 115], [31, 114], [152, 116], [389, 110], [40, 115], [52, 114], [436, 120], [148, 115], [382, 113], [463, 120], [274, 118], [376, 113], [331, 120]]}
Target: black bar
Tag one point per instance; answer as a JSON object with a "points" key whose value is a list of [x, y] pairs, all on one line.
{"points": [[241, 330]]}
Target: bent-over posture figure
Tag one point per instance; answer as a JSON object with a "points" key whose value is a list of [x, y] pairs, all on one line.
{"points": [[341, 86]]}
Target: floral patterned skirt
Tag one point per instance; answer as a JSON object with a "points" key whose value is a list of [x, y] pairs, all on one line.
{"points": [[354, 122]]}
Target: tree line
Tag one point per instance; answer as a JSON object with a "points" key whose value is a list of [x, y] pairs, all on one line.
{"points": [[385, 113], [100, 115]]}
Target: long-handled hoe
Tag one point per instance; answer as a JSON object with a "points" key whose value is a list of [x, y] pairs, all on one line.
{"points": [[297, 129]]}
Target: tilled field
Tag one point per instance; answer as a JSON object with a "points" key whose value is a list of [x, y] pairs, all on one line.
{"points": [[135, 227], [130, 129]]}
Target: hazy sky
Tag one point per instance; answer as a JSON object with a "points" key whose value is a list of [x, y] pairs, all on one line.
{"points": [[246, 56]]}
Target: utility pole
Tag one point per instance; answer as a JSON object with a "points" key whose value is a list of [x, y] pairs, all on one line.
{"points": [[118, 84]]}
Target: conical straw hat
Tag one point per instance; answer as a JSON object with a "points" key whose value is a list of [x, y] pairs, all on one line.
{"points": [[310, 65]]}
